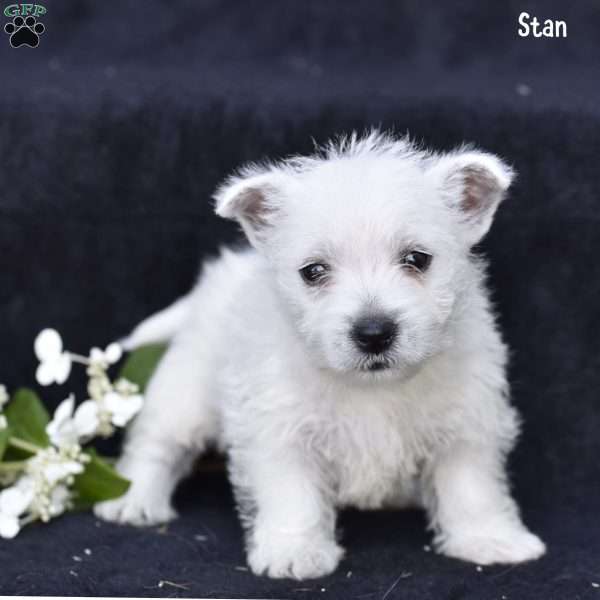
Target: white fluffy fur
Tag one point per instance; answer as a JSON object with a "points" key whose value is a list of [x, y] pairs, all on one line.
{"points": [[263, 365]]}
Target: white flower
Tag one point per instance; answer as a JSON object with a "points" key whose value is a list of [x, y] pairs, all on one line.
{"points": [[51, 466], [86, 418], [111, 355], [98, 385], [66, 428], [55, 365], [61, 470], [126, 387], [3, 422], [52, 470], [9, 525], [14, 501], [122, 407], [59, 500], [61, 430], [4, 397]]}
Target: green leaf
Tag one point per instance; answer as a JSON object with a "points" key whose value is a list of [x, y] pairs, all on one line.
{"points": [[4, 435], [98, 482], [141, 364], [27, 417]]}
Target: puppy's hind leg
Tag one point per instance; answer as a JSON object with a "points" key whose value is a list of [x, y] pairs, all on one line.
{"points": [[175, 425]]}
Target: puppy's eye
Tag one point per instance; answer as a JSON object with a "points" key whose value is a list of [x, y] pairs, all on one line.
{"points": [[417, 261], [314, 273]]}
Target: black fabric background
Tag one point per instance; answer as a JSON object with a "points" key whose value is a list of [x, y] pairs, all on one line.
{"points": [[114, 132]]}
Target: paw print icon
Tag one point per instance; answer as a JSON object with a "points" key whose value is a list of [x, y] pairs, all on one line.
{"points": [[24, 32]]}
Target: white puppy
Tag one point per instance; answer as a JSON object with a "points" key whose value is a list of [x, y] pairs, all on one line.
{"points": [[350, 358]]}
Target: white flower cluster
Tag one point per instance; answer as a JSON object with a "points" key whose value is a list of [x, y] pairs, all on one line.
{"points": [[43, 491], [110, 404], [41, 487]]}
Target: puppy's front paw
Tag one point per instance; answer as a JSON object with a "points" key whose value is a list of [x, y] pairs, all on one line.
{"points": [[510, 545], [294, 556], [136, 509]]}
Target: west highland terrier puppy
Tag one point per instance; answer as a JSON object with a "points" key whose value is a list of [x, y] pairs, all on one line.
{"points": [[350, 357]]}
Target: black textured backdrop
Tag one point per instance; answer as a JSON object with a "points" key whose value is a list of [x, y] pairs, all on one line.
{"points": [[114, 132]]}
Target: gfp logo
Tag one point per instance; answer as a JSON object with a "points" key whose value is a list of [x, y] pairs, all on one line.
{"points": [[24, 29]]}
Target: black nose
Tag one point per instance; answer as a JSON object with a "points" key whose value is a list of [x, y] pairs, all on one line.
{"points": [[374, 335]]}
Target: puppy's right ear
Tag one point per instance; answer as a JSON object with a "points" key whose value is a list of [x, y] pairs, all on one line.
{"points": [[253, 199]]}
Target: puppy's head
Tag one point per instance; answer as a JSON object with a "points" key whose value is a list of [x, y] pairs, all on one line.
{"points": [[369, 241]]}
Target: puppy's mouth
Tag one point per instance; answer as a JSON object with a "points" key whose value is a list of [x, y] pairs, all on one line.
{"points": [[375, 364], [378, 366]]}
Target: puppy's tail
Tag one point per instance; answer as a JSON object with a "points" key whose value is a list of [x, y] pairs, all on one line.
{"points": [[160, 327]]}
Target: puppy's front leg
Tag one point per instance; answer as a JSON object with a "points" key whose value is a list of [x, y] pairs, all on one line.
{"points": [[474, 516], [292, 533]]}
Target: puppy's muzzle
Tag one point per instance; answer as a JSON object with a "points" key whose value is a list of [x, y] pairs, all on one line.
{"points": [[374, 334]]}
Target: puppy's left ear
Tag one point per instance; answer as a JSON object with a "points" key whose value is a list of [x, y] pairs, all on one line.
{"points": [[473, 184], [253, 199]]}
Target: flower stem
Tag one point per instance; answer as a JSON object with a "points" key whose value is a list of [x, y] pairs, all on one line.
{"points": [[14, 465], [82, 360], [23, 445]]}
